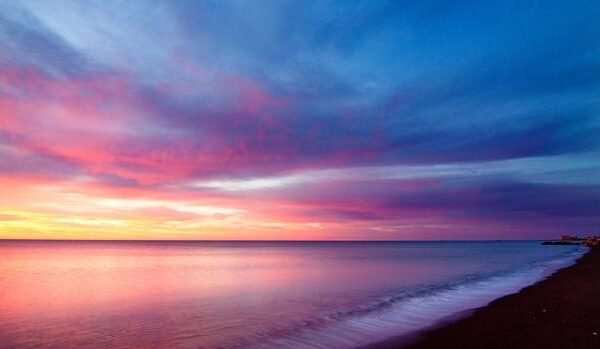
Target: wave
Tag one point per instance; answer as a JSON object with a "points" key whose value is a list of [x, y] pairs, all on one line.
{"points": [[404, 313]]}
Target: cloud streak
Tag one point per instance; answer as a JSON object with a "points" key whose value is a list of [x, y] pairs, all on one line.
{"points": [[296, 120]]}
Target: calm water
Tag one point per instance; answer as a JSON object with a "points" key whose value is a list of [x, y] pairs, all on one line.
{"points": [[250, 294]]}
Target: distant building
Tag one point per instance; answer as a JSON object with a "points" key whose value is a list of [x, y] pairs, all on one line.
{"points": [[570, 238]]}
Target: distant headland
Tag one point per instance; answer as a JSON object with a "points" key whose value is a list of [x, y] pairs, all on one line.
{"points": [[590, 241]]}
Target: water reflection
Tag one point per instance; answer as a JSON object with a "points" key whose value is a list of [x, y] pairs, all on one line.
{"points": [[156, 295]]}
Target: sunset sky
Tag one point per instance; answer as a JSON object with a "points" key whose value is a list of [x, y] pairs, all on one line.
{"points": [[299, 119]]}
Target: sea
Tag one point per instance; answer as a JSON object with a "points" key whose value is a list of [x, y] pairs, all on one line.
{"points": [[253, 294]]}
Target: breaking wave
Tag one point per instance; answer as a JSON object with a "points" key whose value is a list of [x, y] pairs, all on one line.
{"points": [[403, 313]]}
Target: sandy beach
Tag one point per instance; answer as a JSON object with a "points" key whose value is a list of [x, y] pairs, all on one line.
{"points": [[562, 311]]}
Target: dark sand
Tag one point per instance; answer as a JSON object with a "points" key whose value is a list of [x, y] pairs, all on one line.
{"points": [[562, 311]]}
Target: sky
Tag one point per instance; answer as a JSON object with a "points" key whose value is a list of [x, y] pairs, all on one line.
{"points": [[299, 120]]}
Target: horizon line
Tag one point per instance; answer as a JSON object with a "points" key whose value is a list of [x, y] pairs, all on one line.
{"points": [[241, 240]]}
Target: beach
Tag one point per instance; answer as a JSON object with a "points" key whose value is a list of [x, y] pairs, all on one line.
{"points": [[562, 311]]}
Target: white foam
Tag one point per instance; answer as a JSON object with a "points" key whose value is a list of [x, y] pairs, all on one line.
{"points": [[410, 314]]}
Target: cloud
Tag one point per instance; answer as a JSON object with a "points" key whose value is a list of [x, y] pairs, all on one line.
{"points": [[9, 217], [382, 113]]}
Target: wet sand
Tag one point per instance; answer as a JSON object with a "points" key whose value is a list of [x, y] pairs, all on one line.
{"points": [[562, 311]]}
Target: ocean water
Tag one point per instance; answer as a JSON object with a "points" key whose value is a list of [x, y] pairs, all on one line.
{"points": [[251, 294]]}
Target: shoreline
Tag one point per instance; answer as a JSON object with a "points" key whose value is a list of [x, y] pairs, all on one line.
{"points": [[561, 311]]}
